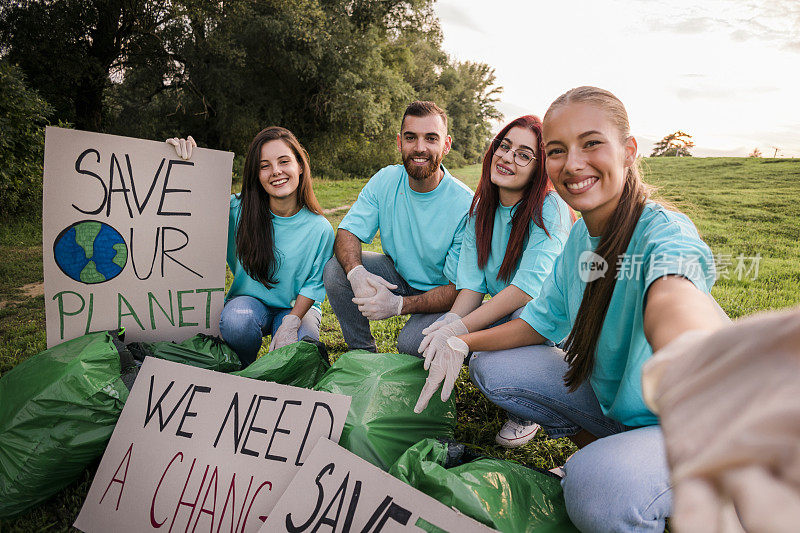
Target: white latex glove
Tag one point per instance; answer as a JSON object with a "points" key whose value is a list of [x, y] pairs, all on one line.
{"points": [[183, 147], [728, 407], [286, 333], [453, 326], [444, 368], [365, 283], [383, 304]]}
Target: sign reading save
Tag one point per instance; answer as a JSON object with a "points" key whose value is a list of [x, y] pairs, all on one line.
{"points": [[205, 451], [133, 236], [337, 491]]}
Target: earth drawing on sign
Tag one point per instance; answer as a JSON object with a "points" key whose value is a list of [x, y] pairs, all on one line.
{"points": [[90, 252]]}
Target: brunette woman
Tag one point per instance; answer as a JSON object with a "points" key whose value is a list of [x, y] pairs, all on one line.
{"points": [[278, 244]]}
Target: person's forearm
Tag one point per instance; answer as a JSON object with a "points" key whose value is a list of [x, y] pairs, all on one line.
{"points": [[502, 304], [512, 334], [674, 306], [437, 300], [347, 249], [301, 306], [466, 302]]}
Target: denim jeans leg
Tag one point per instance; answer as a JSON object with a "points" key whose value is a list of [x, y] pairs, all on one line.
{"points": [[410, 337], [242, 324], [355, 328], [527, 383], [309, 325], [619, 483]]}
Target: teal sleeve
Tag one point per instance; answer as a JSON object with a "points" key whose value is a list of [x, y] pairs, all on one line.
{"points": [[542, 250], [469, 276], [451, 261], [233, 222], [363, 219], [675, 248], [547, 313], [313, 288]]}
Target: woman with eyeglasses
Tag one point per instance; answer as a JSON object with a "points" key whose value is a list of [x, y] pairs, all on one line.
{"points": [[517, 227]]}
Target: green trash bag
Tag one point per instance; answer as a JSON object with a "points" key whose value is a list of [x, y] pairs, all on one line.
{"points": [[202, 351], [57, 411], [301, 364], [505, 495], [384, 388]]}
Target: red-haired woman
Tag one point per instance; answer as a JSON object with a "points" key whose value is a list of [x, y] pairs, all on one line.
{"points": [[517, 227], [278, 244]]}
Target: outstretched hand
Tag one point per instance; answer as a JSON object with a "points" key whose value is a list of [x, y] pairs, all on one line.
{"points": [[448, 326], [728, 406], [442, 369], [183, 147]]}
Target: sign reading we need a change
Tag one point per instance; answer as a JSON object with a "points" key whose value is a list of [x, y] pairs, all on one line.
{"points": [[133, 237], [205, 451], [339, 492]]}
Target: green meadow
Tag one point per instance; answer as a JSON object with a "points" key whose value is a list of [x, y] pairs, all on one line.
{"points": [[747, 210]]}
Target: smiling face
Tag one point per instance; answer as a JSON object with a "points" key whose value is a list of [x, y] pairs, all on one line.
{"points": [[587, 160], [423, 142], [509, 176], [279, 170]]}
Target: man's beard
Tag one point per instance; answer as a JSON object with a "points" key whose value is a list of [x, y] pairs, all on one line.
{"points": [[422, 173]]}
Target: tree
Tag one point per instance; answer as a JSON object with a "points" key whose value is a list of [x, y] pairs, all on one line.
{"points": [[68, 49], [23, 115], [675, 144], [755, 153]]}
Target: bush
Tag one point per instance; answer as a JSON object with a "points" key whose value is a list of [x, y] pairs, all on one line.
{"points": [[23, 115]]}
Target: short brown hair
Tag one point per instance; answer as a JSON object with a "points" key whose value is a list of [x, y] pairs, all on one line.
{"points": [[423, 108]]}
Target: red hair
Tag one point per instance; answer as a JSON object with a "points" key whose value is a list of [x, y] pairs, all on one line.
{"points": [[487, 197]]}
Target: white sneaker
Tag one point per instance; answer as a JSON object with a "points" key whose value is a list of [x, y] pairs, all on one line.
{"points": [[512, 434]]}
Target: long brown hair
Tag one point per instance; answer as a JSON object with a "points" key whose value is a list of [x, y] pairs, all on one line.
{"points": [[255, 239], [581, 344], [487, 198]]}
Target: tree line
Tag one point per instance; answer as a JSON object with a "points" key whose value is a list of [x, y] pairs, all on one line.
{"points": [[338, 73]]}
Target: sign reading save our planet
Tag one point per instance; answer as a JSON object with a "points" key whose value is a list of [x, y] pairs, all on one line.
{"points": [[133, 237]]}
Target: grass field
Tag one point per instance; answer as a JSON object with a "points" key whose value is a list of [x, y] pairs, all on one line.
{"points": [[742, 207]]}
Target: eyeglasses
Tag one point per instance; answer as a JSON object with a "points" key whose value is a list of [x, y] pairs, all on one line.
{"points": [[522, 156]]}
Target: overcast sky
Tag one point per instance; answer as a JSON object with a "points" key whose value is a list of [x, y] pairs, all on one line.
{"points": [[725, 71]]}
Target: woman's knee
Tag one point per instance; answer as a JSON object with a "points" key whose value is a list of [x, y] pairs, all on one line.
{"points": [[607, 489], [239, 323]]}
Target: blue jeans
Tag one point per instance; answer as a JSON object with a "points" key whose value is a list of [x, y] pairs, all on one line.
{"points": [[246, 320], [620, 482], [355, 328]]}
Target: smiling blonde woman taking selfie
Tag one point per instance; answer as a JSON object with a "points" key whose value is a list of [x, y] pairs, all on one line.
{"points": [[655, 288]]}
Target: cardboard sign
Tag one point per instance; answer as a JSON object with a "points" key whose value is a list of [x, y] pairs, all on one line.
{"points": [[337, 491], [206, 451], [133, 236]]}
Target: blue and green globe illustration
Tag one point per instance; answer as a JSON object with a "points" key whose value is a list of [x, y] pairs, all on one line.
{"points": [[90, 252]]}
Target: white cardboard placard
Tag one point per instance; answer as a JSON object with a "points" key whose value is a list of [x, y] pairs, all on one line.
{"points": [[205, 451], [133, 236], [336, 491]]}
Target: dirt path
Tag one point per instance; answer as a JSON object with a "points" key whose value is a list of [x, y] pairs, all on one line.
{"points": [[335, 209], [31, 290]]}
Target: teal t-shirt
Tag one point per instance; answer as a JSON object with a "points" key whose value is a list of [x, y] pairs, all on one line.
{"points": [[421, 232], [538, 255], [663, 242], [303, 244]]}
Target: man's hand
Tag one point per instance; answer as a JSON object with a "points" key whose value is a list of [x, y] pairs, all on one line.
{"points": [[183, 147], [365, 283], [728, 406], [286, 333], [383, 304], [444, 368]]}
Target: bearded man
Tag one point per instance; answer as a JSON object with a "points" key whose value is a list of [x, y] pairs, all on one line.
{"points": [[420, 210]]}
